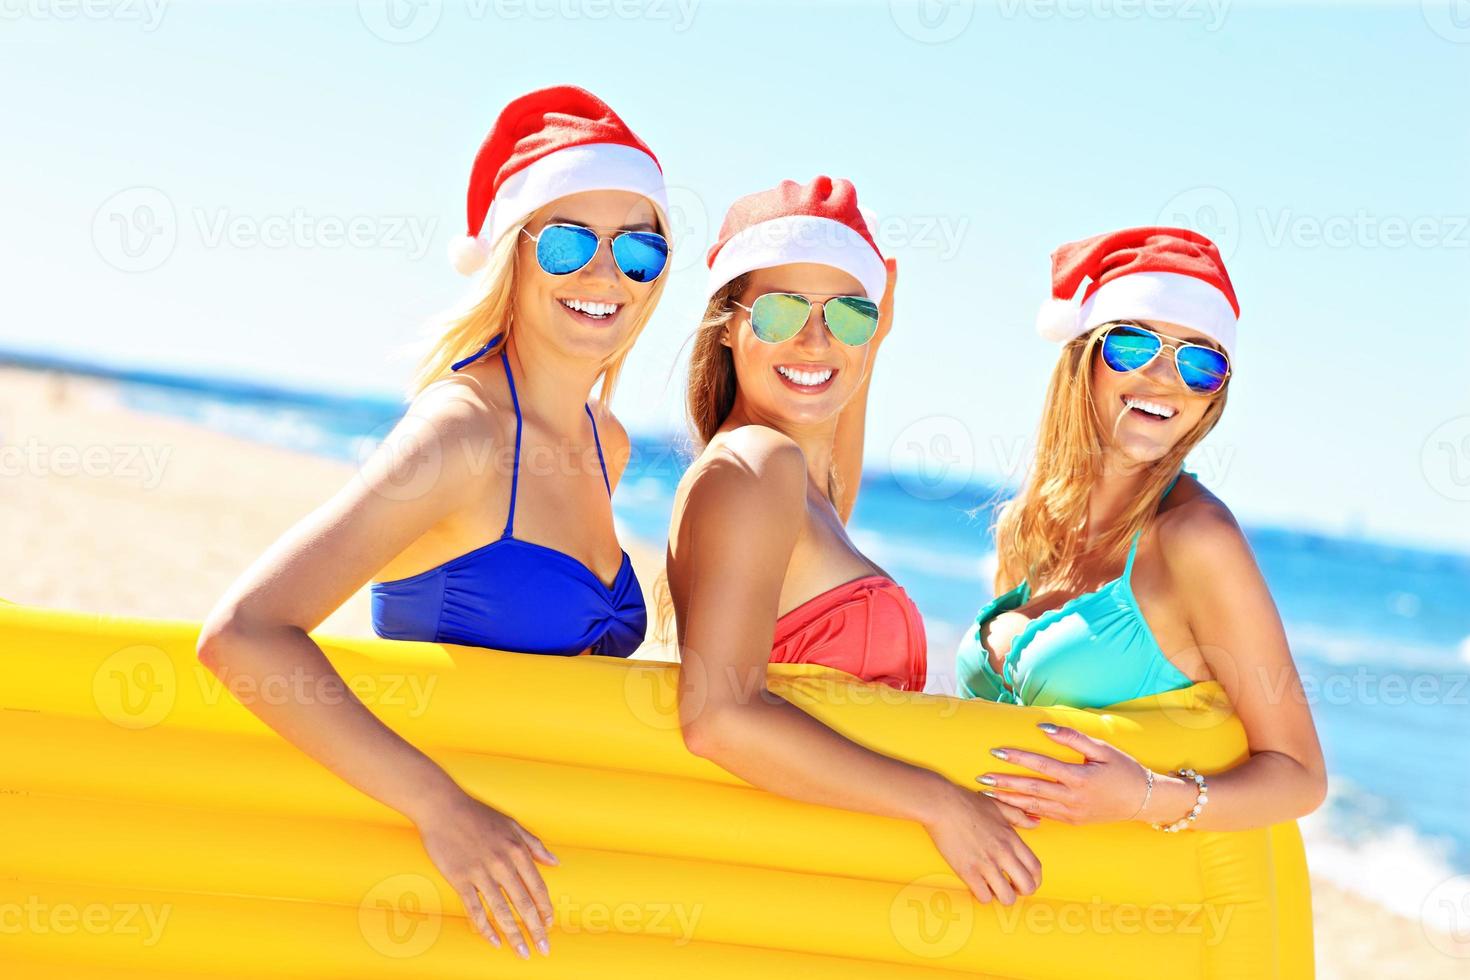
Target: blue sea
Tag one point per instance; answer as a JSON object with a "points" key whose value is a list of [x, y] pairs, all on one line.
{"points": [[1381, 634]]}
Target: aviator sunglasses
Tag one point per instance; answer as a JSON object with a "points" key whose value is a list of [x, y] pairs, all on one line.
{"points": [[777, 317], [562, 249], [1128, 347]]}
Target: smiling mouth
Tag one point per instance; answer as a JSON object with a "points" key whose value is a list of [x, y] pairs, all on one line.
{"points": [[591, 311], [1148, 409], [806, 379]]}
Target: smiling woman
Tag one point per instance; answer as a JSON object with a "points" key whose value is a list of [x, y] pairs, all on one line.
{"points": [[1141, 380], [559, 175], [760, 568]]}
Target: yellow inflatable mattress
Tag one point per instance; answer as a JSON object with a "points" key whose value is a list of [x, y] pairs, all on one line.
{"points": [[153, 827]]}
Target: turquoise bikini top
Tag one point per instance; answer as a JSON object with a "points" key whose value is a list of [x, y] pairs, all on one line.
{"points": [[1092, 651]]}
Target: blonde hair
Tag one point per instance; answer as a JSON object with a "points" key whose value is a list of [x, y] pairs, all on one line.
{"points": [[487, 313], [1039, 534]]}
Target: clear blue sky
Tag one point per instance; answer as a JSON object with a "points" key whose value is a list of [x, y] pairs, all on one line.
{"points": [[1327, 146]]}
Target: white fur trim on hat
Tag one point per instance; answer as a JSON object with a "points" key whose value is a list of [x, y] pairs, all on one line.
{"points": [[800, 238], [590, 167], [1186, 300]]}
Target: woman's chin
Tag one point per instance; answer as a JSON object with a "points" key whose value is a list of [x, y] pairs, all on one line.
{"points": [[1143, 451], [589, 343]]}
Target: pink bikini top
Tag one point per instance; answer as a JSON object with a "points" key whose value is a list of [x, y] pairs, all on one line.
{"points": [[868, 627]]}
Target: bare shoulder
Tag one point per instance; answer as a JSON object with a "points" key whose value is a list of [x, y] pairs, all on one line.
{"points": [[443, 438], [609, 429], [1197, 533], [754, 463], [617, 448]]}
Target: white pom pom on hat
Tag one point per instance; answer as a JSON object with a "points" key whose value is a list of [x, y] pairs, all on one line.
{"points": [[1148, 273], [468, 255], [1057, 320], [543, 146]]}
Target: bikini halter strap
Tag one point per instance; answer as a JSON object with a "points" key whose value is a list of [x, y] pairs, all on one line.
{"points": [[489, 346]]}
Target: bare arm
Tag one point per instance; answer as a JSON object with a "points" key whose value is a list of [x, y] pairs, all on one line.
{"points": [[847, 450], [732, 585], [259, 631], [1239, 635]]}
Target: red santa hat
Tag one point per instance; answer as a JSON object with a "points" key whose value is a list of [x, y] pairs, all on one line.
{"points": [[1152, 273], [817, 222], [545, 145]]}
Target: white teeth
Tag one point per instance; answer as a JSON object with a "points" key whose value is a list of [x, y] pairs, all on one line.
{"points": [[590, 308], [1152, 408], [805, 377]]}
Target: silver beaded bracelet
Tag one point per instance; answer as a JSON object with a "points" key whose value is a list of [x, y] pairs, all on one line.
{"points": [[1199, 804]]}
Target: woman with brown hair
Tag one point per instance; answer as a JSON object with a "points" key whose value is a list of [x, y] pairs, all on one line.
{"points": [[760, 568]]}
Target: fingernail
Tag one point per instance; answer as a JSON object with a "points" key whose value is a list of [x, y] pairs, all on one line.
{"points": [[987, 779], [1047, 727], [986, 792], [999, 754], [544, 946], [522, 951]]}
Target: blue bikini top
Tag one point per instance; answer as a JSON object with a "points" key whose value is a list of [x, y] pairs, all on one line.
{"points": [[1094, 650], [516, 595]]}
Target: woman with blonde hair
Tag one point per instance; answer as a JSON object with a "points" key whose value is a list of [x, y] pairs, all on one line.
{"points": [[1119, 575], [760, 568], [566, 212]]}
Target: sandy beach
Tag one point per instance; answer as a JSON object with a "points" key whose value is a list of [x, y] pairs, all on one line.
{"points": [[114, 511]]}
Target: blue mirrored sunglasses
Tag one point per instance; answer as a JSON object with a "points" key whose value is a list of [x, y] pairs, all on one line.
{"points": [[1129, 347], [562, 249]]}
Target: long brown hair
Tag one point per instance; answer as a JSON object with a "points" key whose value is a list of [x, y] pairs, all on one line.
{"points": [[1040, 533], [709, 396]]}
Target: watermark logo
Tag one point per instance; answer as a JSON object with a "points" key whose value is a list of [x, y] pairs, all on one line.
{"points": [[942, 234], [1209, 211], [1445, 459], [932, 21], [652, 693], [930, 919], [138, 229], [1445, 917], [1450, 19], [148, 14], [678, 14], [676, 921], [37, 917], [136, 687], [135, 230], [1097, 917], [405, 233], [1363, 229], [933, 458], [144, 465], [400, 916], [1210, 13], [689, 228], [401, 460], [400, 21]]}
